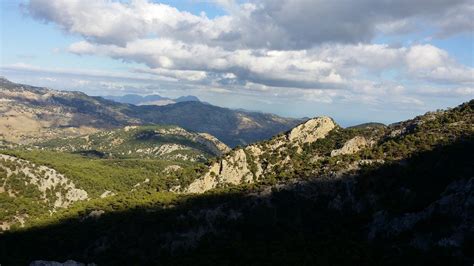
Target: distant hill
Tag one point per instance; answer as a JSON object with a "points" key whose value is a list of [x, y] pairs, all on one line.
{"points": [[369, 125], [32, 114], [188, 98], [159, 142], [231, 127], [153, 99]]}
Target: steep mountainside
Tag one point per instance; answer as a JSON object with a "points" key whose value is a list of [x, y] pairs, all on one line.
{"points": [[249, 164], [30, 114], [162, 142], [320, 147]]}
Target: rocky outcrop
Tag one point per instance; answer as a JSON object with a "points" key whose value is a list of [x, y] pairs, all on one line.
{"points": [[232, 169], [45, 179], [311, 130], [246, 165], [41, 185], [106, 194], [351, 146]]}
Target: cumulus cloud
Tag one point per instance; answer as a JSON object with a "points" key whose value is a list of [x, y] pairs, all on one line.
{"points": [[272, 24], [269, 67], [431, 63], [327, 66], [318, 50]]}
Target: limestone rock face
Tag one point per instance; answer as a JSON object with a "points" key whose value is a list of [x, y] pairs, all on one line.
{"points": [[206, 182], [351, 146], [312, 130], [44, 179], [247, 165]]}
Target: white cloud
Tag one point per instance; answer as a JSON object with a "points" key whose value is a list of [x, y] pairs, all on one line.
{"points": [[271, 24], [431, 63], [327, 66], [446, 92], [315, 51], [270, 67], [270, 42]]}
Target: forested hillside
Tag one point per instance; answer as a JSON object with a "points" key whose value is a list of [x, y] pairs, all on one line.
{"points": [[318, 194], [161, 142]]}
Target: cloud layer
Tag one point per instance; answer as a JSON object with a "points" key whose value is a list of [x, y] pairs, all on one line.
{"points": [[322, 50], [269, 24]]}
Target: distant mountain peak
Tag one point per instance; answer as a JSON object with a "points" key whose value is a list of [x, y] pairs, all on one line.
{"points": [[187, 98], [37, 114], [152, 99]]}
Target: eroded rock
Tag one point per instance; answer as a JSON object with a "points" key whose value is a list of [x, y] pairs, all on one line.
{"points": [[246, 165], [351, 146]]}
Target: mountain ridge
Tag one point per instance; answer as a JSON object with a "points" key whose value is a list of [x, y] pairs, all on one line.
{"points": [[152, 99], [143, 142], [50, 114], [307, 144]]}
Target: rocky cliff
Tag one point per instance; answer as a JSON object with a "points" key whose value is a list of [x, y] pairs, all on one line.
{"points": [[246, 165]]}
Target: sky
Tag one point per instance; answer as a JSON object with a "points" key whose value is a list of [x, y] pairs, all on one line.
{"points": [[356, 61]]}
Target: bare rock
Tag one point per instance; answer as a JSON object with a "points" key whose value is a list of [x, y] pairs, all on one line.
{"points": [[245, 165], [351, 146], [312, 130]]}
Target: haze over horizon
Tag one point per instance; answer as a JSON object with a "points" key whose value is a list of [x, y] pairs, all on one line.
{"points": [[354, 61]]}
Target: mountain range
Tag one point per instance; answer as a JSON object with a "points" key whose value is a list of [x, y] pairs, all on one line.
{"points": [[312, 194], [31, 114], [153, 99]]}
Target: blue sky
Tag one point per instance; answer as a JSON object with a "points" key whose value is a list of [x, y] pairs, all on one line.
{"points": [[357, 62]]}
